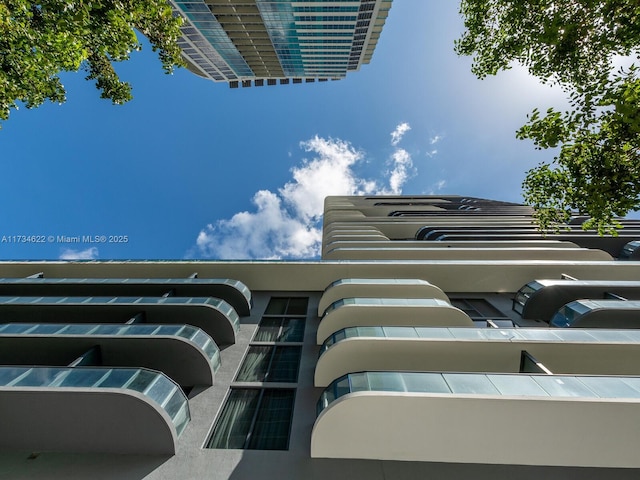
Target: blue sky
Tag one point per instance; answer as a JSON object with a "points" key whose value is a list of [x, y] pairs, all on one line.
{"points": [[193, 169]]}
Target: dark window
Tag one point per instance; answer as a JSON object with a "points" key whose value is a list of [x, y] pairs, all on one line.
{"points": [[477, 308], [280, 329], [255, 419], [270, 364], [287, 306]]}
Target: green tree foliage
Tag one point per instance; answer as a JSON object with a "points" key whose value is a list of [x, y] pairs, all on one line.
{"points": [[574, 44], [41, 38]]}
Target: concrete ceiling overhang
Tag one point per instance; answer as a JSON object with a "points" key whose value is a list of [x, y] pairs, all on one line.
{"points": [[180, 359], [451, 276]]}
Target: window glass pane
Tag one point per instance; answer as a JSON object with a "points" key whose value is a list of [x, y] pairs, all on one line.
{"points": [[297, 306], [385, 381], [117, 378], [400, 332], [517, 385], [433, 332], [255, 365], [425, 382], [142, 380], [284, 367], [46, 329], [277, 306], [273, 423], [610, 387], [470, 383], [563, 386], [268, 330], [354, 382], [17, 328], [234, 423], [292, 330], [7, 374], [176, 403], [82, 378]]}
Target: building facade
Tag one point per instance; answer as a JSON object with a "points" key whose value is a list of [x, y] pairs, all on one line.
{"points": [[263, 42], [437, 337]]}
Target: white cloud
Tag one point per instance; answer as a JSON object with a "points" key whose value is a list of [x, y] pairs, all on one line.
{"points": [[399, 132], [90, 253], [287, 224], [402, 170], [435, 139]]}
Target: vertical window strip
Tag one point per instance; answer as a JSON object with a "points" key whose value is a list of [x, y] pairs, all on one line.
{"points": [[260, 418], [255, 419]]}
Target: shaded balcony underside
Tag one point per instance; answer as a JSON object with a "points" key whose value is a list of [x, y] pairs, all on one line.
{"points": [[233, 292], [206, 317], [378, 288], [83, 420], [177, 358], [357, 354], [550, 295], [393, 252], [391, 315]]}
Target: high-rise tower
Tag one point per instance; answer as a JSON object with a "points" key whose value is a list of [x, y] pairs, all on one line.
{"points": [[263, 42], [439, 337]]}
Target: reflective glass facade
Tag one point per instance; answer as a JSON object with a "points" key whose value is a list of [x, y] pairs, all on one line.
{"points": [[252, 40]]}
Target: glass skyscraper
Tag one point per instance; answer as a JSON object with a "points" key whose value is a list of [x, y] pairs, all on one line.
{"points": [[253, 42]]}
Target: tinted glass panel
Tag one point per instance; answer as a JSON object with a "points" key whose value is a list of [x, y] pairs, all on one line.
{"points": [[255, 365], [234, 423], [255, 419], [284, 367], [273, 422]]}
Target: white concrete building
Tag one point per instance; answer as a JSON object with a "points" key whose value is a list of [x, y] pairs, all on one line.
{"points": [[397, 365]]}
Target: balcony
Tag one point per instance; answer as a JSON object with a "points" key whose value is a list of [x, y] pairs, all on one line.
{"points": [[184, 353], [361, 312], [214, 316], [445, 417], [234, 292], [106, 410], [563, 351], [378, 288]]}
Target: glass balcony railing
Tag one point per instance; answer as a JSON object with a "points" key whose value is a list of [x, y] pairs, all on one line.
{"points": [[195, 335], [409, 302], [486, 334], [629, 251], [220, 305], [182, 286], [154, 385], [481, 384], [596, 313], [524, 294], [377, 281]]}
